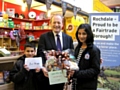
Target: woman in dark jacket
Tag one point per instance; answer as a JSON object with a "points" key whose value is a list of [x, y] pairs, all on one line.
{"points": [[88, 59], [24, 78]]}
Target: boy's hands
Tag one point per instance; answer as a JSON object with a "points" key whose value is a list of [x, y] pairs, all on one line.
{"points": [[37, 70], [26, 67]]}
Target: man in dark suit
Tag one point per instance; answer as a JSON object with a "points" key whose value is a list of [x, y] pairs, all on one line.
{"points": [[48, 41]]}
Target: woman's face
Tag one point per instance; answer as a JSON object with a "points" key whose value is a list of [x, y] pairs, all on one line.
{"points": [[82, 35]]}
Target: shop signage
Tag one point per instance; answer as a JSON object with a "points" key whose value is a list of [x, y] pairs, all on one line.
{"points": [[106, 29]]}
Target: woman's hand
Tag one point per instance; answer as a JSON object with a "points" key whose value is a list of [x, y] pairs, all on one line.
{"points": [[71, 73]]}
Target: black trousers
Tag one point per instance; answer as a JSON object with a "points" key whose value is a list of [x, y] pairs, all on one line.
{"points": [[56, 87]]}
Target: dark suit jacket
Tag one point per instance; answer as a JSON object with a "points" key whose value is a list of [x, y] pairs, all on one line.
{"points": [[47, 42]]}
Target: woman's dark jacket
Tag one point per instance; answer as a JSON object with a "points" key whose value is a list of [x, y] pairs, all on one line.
{"points": [[24, 80], [89, 68]]}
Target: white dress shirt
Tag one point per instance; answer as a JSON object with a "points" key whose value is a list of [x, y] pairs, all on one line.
{"points": [[61, 39]]}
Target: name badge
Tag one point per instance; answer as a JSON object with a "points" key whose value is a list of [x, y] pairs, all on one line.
{"points": [[87, 56]]}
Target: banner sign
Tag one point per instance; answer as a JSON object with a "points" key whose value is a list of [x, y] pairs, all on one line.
{"points": [[106, 29]]}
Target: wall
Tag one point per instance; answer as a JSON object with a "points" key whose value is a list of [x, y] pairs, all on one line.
{"points": [[0, 5], [36, 33], [100, 7], [18, 9]]}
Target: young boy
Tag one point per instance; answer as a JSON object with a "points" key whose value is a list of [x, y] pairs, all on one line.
{"points": [[22, 76]]}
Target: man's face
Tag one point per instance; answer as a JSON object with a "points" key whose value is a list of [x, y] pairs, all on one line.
{"points": [[29, 52], [56, 23]]}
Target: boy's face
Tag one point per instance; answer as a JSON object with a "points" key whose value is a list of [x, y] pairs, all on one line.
{"points": [[29, 52]]}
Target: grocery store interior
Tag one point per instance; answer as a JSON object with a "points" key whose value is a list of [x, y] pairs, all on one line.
{"points": [[33, 17]]}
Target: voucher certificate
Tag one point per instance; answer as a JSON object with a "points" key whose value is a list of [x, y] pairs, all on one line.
{"points": [[33, 63], [56, 77]]}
